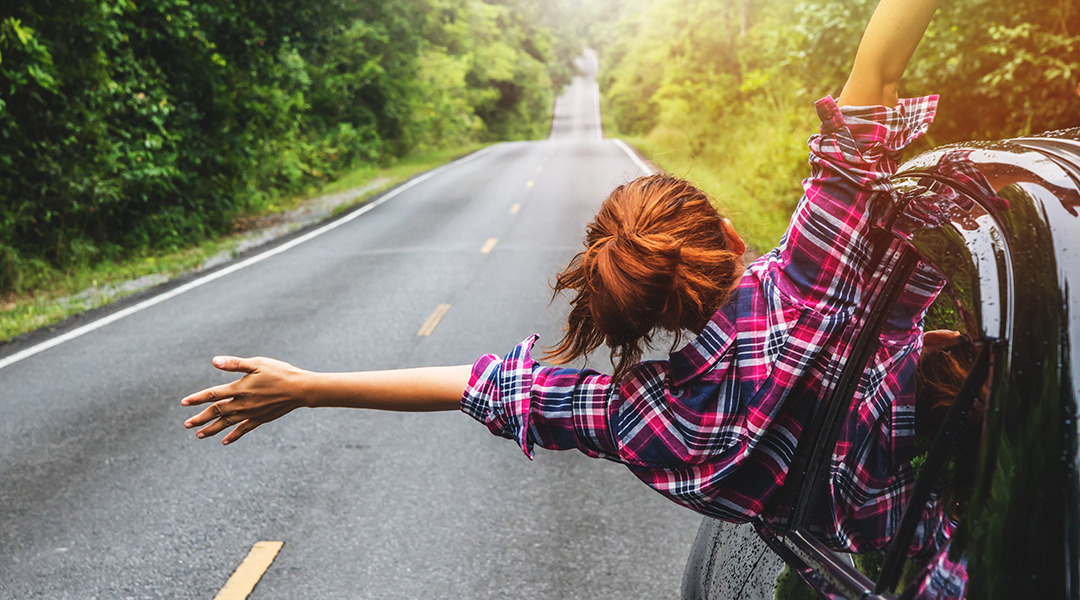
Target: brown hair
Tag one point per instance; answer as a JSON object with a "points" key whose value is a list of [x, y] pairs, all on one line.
{"points": [[655, 257], [940, 375]]}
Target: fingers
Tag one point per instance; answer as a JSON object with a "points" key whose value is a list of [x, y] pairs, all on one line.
{"points": [[241, 429], [211, 413], [231, 364], [220, 416], [245, 403], [234, 364], [244, 423], [938, 338], [218, 392]]}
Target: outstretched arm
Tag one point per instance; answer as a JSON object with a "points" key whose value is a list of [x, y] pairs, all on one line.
{"points": [[271, 389], [887, 45]]}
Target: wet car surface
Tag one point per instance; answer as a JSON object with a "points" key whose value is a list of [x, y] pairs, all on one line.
{"points": [[1001, 223]]}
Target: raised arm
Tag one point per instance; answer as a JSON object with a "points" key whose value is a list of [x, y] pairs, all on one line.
{"points": [[271, 389], [887, 45]]}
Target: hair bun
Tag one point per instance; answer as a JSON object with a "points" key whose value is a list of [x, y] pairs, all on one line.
{"points": [[635, 276], [655, 258]]}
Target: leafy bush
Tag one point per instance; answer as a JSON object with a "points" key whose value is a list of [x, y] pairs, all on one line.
{"points": [[131, 126]]}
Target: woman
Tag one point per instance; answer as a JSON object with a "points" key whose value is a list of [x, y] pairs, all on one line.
{"points": [[714, 427]]}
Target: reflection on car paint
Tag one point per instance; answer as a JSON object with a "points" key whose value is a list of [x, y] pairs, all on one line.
{"points": [[1001, 222]]}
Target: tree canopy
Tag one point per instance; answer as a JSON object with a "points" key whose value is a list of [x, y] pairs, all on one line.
{"points": [[132, 125], [1002, 69], [722, 90]]}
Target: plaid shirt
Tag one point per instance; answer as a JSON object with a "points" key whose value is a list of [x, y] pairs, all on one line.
{"points": [[943, 579], [715, 426]]}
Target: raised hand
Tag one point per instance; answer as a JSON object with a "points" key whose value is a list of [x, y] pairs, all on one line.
{"points": [[887, 46]]}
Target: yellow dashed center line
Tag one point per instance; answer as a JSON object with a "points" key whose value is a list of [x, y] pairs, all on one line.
{"points": [[529, 183], [515, 208], [540, 168], [249, 572], [433, 321], [488, 245]]}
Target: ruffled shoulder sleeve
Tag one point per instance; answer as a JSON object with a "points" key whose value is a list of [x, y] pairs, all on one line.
{"points": [[863, 143], [499, 393]]}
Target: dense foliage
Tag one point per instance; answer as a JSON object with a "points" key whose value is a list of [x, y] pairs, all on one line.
{"points": [[127, 126], [133, 125], [1001, 68], [726, 81]]}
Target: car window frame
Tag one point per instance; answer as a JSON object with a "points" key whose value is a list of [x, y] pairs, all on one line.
{"points": [[821, 567]]}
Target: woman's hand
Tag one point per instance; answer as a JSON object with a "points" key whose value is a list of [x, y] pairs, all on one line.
{"points": [[270, 389], [937, 339]]}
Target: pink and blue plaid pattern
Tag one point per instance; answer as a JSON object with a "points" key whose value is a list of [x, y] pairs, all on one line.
{"points": [[715, 426], [943, 579]]}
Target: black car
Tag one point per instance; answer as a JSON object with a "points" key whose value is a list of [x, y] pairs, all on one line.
{"points": [[1000, 221]]}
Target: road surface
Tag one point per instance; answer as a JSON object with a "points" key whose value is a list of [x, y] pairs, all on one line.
{"points": [[103, 494]]}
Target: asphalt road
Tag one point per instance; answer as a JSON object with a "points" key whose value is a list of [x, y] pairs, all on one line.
{"points": [[103, 494]]}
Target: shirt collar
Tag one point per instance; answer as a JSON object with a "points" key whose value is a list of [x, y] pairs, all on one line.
{"points": [[701, 354]]}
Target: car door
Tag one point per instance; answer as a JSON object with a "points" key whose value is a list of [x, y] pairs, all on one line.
{"points": [[999, 458], [943, 227], [965, 248]]}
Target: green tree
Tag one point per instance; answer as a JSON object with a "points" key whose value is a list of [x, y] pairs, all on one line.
{"points": [[130, 126]]}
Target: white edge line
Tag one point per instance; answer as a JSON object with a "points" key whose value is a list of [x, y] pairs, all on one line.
{"points": [[596, 108], [258, 258], [633, 156]]}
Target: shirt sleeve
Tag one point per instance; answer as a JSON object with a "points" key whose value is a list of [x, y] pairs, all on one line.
{"points": [[559, 409], [692, 442], [827, 252], [943, 579], [644, 421]]}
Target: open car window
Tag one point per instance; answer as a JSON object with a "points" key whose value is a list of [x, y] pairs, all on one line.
{"points": [[945, 230]]}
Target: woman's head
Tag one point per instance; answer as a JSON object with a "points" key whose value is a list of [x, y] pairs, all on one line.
{"points": [[657, 257]]}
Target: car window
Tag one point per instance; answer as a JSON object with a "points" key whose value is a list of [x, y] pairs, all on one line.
{"points": [[949, 236], [1000, 222], [1023, 507], [944, 475], [964, 328]]}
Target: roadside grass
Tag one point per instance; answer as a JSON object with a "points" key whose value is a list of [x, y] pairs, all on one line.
{"points": [[90, 286], [751, 167], [415, 163]]}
